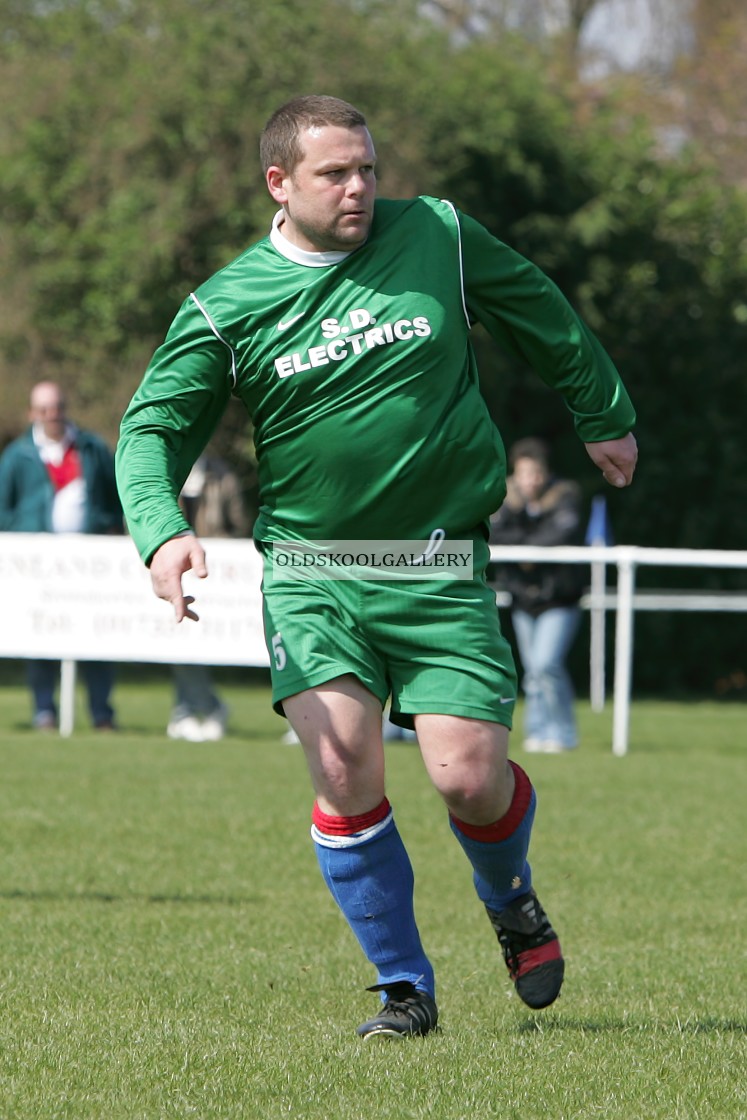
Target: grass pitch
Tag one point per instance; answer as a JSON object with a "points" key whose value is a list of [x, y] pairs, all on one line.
{"points": [[168, 949]]}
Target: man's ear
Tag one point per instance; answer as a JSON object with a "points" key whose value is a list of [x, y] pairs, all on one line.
{"points": [[276, 180]]}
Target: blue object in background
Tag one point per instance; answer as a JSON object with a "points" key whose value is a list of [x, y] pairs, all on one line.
{"points": [[599, 529]]}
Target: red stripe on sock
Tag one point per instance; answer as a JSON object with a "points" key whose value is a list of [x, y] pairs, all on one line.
{"points": [[533, 958], [510, 821], [348, 826]]}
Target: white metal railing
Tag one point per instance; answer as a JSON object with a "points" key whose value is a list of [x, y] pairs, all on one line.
{"points": [[75, 597], [625, 601]]}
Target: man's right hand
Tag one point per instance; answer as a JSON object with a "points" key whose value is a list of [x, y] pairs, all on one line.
{"points": [[168, 565]]}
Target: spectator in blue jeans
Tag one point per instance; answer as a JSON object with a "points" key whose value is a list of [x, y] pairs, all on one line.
{"points": [[213, 504], [541, 509], [58, 478]]}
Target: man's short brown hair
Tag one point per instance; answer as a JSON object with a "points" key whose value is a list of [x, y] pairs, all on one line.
{"points": [[530, 448], [279, 144]]}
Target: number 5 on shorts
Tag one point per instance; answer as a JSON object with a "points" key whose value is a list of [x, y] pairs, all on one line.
{"points": [[281, 658]]}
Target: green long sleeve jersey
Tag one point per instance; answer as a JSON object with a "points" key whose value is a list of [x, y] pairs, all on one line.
{"points": [[359, 376]]}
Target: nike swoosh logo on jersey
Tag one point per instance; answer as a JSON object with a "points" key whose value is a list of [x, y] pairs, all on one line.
{"points": [[506, 699], [284, 324]]}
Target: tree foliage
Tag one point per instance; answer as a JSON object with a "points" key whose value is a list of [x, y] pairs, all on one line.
{"points": [[128, 173]]}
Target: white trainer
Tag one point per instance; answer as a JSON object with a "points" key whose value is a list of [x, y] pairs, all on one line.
{"points": [[214, 726], [188, 727]]}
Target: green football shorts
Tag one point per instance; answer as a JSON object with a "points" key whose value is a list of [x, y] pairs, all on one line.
{"points": [[435, 646]]}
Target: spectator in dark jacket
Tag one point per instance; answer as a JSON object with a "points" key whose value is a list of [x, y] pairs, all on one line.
{"points": [[57, 478], [541, 509]]}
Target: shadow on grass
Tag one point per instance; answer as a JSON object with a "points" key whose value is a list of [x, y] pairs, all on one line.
{"points": [[84, 731], [707, 1025], [103, 896]]}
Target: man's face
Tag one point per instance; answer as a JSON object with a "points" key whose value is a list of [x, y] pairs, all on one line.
{"points": [[48, 409], [530, 477], [329, 197]]}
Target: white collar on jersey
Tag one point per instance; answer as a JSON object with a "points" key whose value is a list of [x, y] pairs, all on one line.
{"points": [[300, 256]]}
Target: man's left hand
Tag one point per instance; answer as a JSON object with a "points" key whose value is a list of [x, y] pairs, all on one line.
{"points": [[616, 459]]}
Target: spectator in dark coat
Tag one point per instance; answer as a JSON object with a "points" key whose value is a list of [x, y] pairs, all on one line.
{"points": [[541, 509], [57, 478]]}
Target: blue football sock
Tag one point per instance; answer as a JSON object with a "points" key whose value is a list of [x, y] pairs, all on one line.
{"points": [[498, 852], [370, 877]]}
